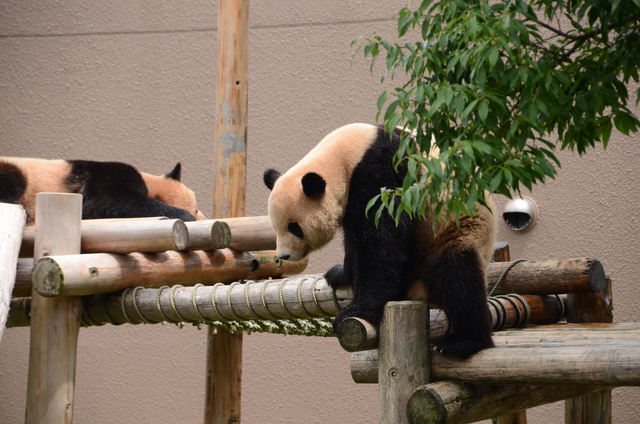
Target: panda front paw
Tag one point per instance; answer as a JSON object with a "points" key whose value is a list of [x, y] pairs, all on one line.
{"points": [[335, 277], [371, 314], [461, 346]]}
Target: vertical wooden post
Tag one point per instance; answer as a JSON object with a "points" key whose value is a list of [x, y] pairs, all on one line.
{"points": [[13, 218], [224, 350], [55, 323], [404, 357], [595, 407], [502, 253]]}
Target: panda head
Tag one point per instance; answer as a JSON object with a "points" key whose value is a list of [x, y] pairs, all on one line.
{"points": [[303, 212], [168, 189]]}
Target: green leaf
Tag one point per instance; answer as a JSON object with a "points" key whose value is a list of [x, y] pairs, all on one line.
{"points": [[483, 111]]}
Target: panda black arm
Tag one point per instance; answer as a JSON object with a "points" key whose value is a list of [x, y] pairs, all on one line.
{"points": [[376, 264], [13, 183]]}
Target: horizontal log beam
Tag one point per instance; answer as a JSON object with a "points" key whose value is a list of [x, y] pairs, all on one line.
{"points": [[450, 402], [294, 297], [208, 234], [583, 354], [123, 236], [251, 233], [355, 334], [546, 277], [96, 273]]}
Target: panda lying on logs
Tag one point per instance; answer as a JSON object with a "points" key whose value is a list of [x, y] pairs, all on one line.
{"points": [[330, 188], [109, 189]]}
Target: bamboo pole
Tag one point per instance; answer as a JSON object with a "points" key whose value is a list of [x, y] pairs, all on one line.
{"points": [[404, 359], [96, 273], [450, 402], [22, 286], [580, 360], [251, 233], [224, 350], [355, 334], [13, 218], [55, 323], [595, 407]]}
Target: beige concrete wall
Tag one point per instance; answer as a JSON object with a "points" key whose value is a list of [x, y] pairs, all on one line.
{"points": [[134, 81]]}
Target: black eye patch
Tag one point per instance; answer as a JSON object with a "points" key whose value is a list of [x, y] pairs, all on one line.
{"points": [[294, 228]]}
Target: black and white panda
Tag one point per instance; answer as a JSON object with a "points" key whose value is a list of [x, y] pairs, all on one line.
{"points": [[330, 188], [109, 189]]}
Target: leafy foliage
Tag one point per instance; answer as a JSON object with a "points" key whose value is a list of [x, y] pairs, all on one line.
{"points": [[494, 84]]}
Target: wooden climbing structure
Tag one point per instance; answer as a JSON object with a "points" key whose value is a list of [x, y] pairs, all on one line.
{"points": [[552, 319]]}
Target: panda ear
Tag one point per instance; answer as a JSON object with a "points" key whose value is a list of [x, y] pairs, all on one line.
{"points": [[269, 177], [175, 174], [313, 185]]}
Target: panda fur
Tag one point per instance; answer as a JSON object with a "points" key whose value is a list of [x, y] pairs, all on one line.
{"points": [[443, 263], [109, 189]]}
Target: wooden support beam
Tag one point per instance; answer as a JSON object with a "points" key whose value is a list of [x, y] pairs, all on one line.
{"points": [[355, 334], [595, 407], [404, 357], [251, 233], [603, 360], [224, 350], [55, 323], [13, 218], [450, 402], [96, 273], [208, 234], [547, 277], [299, 296], [123, 236]]}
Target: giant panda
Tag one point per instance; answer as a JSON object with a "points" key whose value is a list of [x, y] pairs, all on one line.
{"points": [[109, 189], [440, 262]]}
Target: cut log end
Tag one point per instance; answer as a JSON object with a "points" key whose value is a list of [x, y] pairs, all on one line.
{"points": [[426, 406], [597, 276], [180, 235], [47, 278], [356, 334], [220, 235]]}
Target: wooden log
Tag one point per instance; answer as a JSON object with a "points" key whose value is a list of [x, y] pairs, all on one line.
{"points": [[355, 334], [208, 234], [404, 361], [299, 297], [525, 354], [547, 277], [224, 350], [55, 323], [124, 236], [251, 233], [96, 273], [13, 218], [608, 364], [449, 402], [501, 253], [22, 287], [595, 407]]}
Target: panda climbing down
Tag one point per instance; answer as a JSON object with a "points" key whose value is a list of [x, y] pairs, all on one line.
{"points": [[109, 189], [439, 262]]}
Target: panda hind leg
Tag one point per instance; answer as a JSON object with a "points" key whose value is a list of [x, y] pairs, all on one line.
{"points": [[456, 283]]}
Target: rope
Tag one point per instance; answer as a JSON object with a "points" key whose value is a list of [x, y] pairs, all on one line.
{"points": [[504, 274], [135, 305]]}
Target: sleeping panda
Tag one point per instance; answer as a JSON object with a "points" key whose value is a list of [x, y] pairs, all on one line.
{"points": [[109, 189], [439, 262]]}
